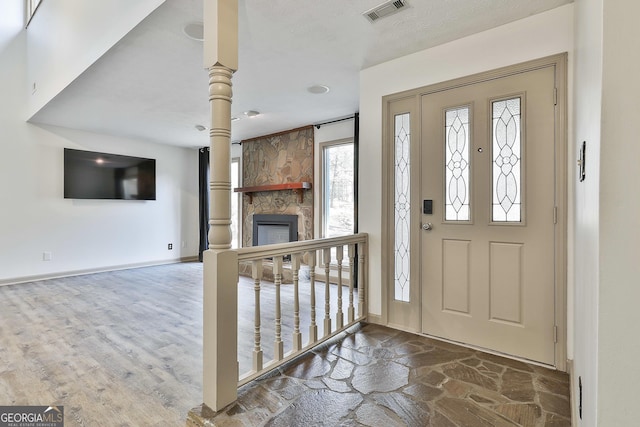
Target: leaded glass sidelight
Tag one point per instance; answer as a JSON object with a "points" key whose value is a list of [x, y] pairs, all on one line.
{"points": [[402, 204], [507, 148], [457, 164]]}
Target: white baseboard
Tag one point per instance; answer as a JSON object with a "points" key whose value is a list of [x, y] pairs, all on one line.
{"points": [[374, 318], [60, 274]]}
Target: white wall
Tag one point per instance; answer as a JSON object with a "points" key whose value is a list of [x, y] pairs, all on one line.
{"points": [[66, 36], [619, 208], [531, 38], [82, 235], [12, 21], [587, 117]]}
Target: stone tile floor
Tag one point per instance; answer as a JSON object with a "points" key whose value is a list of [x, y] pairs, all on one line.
{"points": [[371, 375]]}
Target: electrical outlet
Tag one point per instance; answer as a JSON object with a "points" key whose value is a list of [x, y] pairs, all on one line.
{"points": [[170, 246], [47, 256], [184, 244]]}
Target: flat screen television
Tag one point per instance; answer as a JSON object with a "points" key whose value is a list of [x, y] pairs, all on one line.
{"points": [[92, 175]]}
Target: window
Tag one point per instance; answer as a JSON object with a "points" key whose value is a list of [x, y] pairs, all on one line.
{"points": [[337, 190]]}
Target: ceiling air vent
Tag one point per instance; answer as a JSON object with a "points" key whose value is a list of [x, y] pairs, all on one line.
{"points": [[385, 9]]}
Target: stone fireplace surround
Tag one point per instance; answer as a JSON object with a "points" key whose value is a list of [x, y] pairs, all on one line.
{"points": [[285, 157]]}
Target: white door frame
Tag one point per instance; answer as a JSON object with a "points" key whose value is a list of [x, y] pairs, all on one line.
{"points": [[409, 101]]}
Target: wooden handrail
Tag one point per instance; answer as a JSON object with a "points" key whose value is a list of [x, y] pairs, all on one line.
{"points": [[296, 187]]}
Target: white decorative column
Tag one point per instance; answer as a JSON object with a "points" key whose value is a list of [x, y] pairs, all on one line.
{"points": [[220, 335]]}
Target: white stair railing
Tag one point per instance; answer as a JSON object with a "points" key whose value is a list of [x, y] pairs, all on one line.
{"points": [[289, 311]]}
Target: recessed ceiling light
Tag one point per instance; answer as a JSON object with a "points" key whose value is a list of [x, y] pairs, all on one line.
{"points": [[200, 127], [235, 119], [318, 89], [194, 30], [251, 113]]}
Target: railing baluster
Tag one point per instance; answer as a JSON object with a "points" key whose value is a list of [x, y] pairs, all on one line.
{"points": [[313, 328], [339, 314], [361, 279], [352, 279], [256, 274], [351, 249], [278, 349], [297, 336], [327, 291]]}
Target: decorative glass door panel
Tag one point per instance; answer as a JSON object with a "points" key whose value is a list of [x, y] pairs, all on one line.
{"points": [[457, 164], [507, 160], [402, 220]]}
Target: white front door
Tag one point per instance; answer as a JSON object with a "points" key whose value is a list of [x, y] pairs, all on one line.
{"points": [[488, 187]]}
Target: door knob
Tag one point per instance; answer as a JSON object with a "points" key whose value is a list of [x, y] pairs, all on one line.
{"points": [[427, 226]]}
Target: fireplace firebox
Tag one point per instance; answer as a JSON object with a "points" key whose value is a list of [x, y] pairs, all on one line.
{"points": [[274, 228]]}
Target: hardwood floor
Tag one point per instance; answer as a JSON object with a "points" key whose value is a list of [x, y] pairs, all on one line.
{"points": [[125, 347], [121, 348]]}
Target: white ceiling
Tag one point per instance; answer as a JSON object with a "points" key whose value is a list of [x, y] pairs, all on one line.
{"points": [[152, 84]]}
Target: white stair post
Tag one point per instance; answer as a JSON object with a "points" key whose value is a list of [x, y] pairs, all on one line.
{"points": [[220, 304]]}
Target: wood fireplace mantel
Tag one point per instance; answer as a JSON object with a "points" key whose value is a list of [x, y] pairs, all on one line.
{"points": [[296, 187]]}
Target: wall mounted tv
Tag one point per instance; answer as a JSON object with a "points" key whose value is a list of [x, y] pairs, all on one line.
{"points": [[91, 175]]}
